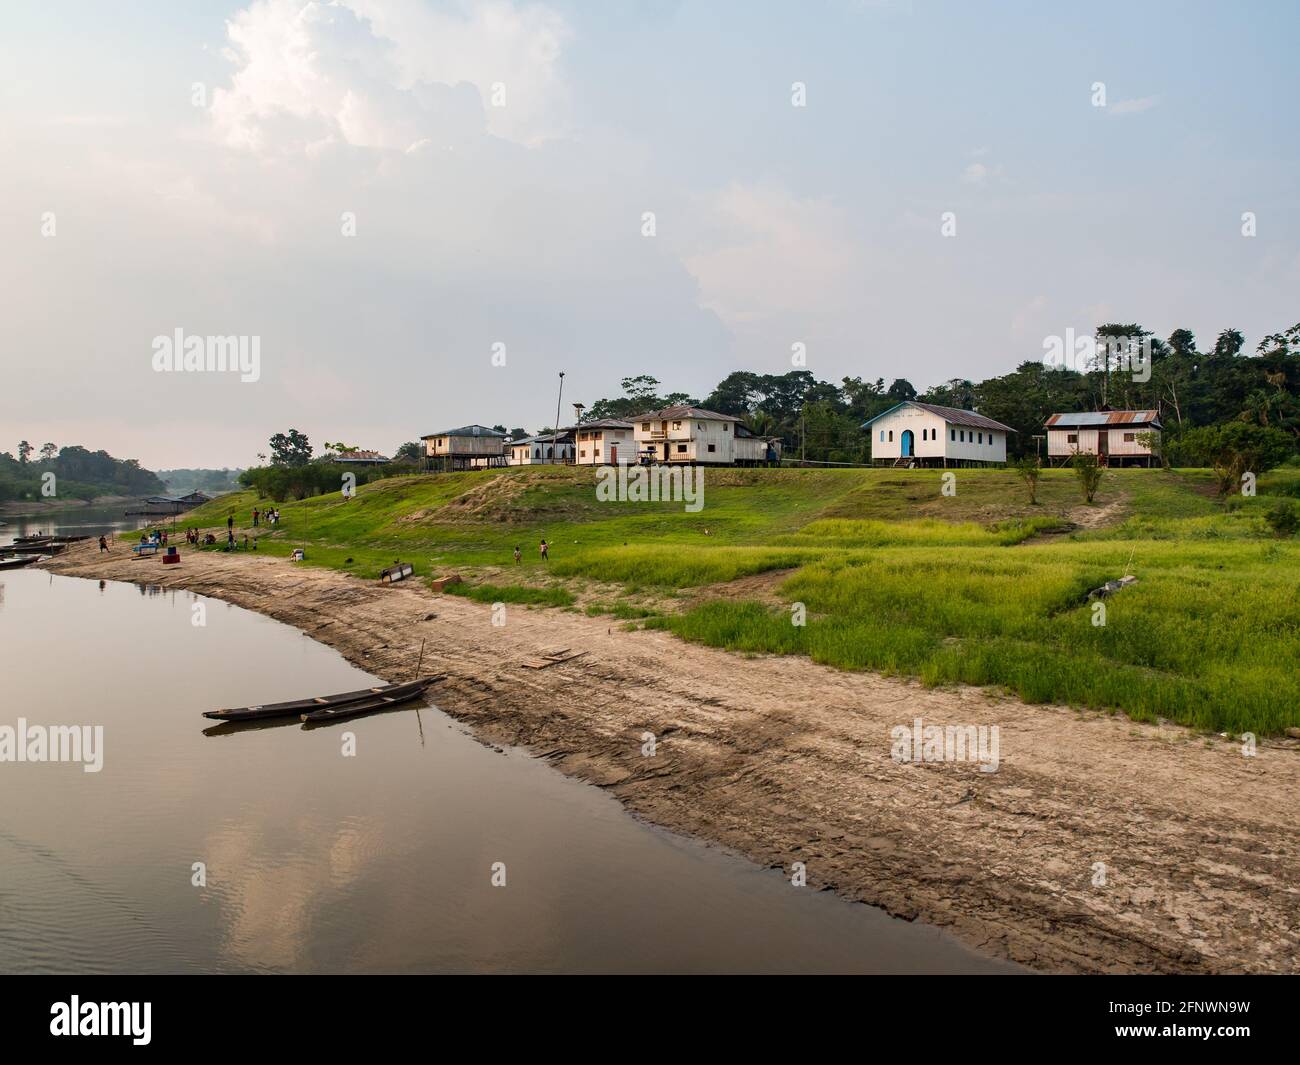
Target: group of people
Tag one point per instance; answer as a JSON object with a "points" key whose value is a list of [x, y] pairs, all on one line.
{"points": [[271, 514], [153, 536], [543, 549]]}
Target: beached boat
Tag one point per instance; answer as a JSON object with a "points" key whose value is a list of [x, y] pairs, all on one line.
{"points": [[398, 571], [295, 707], [373, 705], [17, 561], [47, 548]]}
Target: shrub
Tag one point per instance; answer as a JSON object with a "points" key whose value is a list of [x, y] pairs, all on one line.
{"points": [[1283, 518]]}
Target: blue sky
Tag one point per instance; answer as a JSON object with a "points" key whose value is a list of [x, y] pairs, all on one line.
{"points": [[521, 224]]}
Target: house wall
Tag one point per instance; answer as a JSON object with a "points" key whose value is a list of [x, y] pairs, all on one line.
{"points": [[463, 445], [934, 438], [1059, 444], [538, 453], [688, 439], [594, 446]]}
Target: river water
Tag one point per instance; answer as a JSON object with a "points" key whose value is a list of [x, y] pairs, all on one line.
{"points": [[315, 860], [72, 521]]}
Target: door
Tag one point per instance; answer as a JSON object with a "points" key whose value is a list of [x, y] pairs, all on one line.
{"points": [[1103, 446], [907, 443], [613, 454]]}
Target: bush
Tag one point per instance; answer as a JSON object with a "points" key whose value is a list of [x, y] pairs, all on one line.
{"points": [[1089, 473], [1283, 517]]}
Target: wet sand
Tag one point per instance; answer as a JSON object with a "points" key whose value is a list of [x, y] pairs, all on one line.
{"points": [[1099, 845]]}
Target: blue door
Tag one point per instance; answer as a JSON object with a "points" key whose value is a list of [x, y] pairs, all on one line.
{"points": [[907, 443]]}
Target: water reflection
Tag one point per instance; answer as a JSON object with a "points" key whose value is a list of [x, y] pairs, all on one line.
{"points": [[320, 860]]}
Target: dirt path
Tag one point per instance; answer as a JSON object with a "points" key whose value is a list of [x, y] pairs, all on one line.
{"points": [[785, 760]]}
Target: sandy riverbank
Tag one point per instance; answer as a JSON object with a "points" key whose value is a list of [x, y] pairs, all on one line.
{"points": [[787, 761]]}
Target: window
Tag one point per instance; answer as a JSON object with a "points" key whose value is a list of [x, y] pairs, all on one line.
{"points": [[891, 436], [923, 432], [724, 427], [677, 425], [645, 427], [1072, 438], [681, 449], [537, 453], [882, 436], [952, 434], [583, 453], [963, 437], [981, 438], [1130, 438], [713, 447]]}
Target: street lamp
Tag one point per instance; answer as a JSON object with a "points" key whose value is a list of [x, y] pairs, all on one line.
{"points": [[555, 432]]}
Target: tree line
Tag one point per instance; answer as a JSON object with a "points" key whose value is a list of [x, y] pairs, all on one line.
{"points": [[78, 474]]}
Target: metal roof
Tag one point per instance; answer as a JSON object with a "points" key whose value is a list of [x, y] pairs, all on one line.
{"points": [[603, 423], [565, 436], [467, 430], [952, 415], [685, 413], [1104, 417]]}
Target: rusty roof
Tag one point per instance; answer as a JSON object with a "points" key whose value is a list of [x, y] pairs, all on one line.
{"points": [[1103, 417]]}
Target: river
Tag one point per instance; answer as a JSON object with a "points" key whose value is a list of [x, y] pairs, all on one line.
{"points": [[316, 860]]}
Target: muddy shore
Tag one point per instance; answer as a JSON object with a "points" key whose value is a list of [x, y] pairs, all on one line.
{"points": [[1099, 845]]}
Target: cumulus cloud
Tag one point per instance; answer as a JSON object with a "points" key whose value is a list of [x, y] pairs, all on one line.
{"points": [[389, 74]]}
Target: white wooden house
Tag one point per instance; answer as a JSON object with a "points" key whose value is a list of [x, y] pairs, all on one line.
{"points": [[686, 434], [466, 448], [1116, 437], [605, 442], [548, 449], [914, 434]]}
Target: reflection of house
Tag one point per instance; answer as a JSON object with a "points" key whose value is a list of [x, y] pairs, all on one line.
{"points": [[359, 458], [605, 442], [548, 448], [469, 447], [686, 434], [751, 450], [924, 434], [1116, 437]]}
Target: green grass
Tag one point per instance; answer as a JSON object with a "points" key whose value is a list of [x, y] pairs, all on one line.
{"points": [[980, 587], [512, 593]]}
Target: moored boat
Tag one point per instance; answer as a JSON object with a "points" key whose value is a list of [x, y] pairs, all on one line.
{"points": [[343, 711], [295, 707]]}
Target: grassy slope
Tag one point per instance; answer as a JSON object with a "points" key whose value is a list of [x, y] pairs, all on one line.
{"points": [[979, 587]]}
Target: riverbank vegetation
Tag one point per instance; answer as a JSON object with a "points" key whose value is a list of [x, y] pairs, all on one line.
{"points": [[889, 574]]}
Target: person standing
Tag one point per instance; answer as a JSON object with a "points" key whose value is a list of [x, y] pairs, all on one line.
{"points": [[518, 556], [255, 513], [544, 549], [230, 524], [103, 545]]}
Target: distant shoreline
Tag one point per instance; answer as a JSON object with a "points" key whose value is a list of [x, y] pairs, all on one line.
{"points": [[35, 507]]}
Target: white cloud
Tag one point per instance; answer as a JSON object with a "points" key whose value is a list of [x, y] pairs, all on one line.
{"points": [[389, 74]]}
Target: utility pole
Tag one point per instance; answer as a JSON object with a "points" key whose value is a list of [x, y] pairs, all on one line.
{"points": [[555, 432]]}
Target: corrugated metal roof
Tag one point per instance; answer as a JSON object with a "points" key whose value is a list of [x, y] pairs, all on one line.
{"points": [[603, 423], [682, 413], [565, 436], [953, 415], [467, 430], [1084, 419]]}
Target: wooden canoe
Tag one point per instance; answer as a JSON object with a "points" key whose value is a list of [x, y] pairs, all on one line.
{"points": [[294, 707], [18, 561], [343, 711]]}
